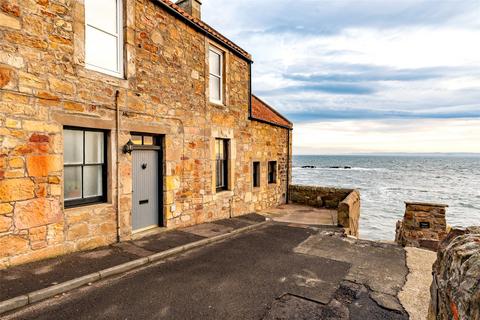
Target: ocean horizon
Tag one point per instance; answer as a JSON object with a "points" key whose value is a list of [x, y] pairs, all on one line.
{"points": [[386, 181]]}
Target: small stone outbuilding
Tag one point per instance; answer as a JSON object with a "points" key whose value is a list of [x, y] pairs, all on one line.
{"points": [[117, 116]]}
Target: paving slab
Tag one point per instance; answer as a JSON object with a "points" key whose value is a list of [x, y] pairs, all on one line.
{"points": [[208, 230], [34, 276], [380, 266], [415, 295], [165, 240]]}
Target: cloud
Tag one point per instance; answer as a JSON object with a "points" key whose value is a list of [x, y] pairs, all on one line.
{"points": [[339, 60], [371, 136]]}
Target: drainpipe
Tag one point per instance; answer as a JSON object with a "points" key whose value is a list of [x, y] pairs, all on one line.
{"points": [[117, 138], [287, 194]]}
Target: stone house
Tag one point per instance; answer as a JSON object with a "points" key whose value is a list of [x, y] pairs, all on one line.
{"points": [[117, 116]]}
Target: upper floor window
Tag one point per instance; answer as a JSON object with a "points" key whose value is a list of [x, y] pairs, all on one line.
{"points": [[85, 167], [216, 75], [272, 172], [221, 164], [103, 36], [256, 174]]}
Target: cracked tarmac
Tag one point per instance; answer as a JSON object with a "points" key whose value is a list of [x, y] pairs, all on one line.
{"points": [[276, 272]]}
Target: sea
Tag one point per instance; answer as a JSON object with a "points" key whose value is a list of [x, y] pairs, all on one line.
{"points": [[386, 182]]}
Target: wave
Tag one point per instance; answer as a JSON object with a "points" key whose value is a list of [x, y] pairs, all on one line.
{"points": [[340, 168]]}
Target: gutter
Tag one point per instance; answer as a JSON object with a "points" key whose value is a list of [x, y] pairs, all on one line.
{"points": [[287, 194], [250, 92], [268, 122]]}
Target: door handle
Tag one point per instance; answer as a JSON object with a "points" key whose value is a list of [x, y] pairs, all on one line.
{"points": [[144, 166]]}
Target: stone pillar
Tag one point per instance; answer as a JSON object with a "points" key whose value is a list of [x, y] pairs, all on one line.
{"points": [[424, 225]]}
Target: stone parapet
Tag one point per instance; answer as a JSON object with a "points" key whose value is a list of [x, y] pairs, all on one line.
{"points": [[349, 213], [455, 290], [345, 201], [424, 225]]}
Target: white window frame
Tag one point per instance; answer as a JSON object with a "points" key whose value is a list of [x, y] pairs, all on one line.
{"points": [[120, 67], [221, 54]]}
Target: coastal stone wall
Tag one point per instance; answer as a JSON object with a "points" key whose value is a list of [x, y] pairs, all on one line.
{"points": [[349, 213], [45, 86], [455, 290], [345, 201], [424, 225], [319, 197]]}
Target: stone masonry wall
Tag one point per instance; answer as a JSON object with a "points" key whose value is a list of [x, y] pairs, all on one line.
{"points": [[44, 86], [320, 197], [424, 225], [455, 290], [345, 201]]}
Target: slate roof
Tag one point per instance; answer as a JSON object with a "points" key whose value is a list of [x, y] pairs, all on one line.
{"points": [[263, 112], [209, 31]]}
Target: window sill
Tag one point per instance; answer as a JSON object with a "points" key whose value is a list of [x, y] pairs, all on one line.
{"points": [[224, 193], [105, 72], [89, 206], [217, 104]]}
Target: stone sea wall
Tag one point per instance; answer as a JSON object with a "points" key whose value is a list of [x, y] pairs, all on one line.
{"points": [[346, 201], [455, 290]]}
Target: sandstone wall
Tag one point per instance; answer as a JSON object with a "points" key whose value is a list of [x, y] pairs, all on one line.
{"points": [[349, 213], [455, 289], [424, 225], [345, 201], [45, 86], [320, 197]]}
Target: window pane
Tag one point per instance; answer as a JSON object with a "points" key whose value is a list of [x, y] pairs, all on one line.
{"points": [[137, 139], [148, 140], [73, 146], [101, 49], [220, 149], [215, 63], [94, 147], [215, 87], [102, 14], [92, 181], [73, 183]]}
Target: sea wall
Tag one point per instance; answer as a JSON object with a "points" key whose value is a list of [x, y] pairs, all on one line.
{"points": [[455, 290], [349, 213], [346, 201], [424, 225]]}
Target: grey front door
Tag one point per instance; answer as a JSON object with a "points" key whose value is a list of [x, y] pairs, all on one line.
{"points": [[146, 175]]}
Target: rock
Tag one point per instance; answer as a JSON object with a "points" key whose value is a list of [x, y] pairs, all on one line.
{"points": [[16, 189], [5, 76], [11, 245], [386, 301], [42, 166], [37, 212], [455, 290]]}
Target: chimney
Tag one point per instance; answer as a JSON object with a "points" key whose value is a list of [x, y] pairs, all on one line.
{"points": [[193, 7]]}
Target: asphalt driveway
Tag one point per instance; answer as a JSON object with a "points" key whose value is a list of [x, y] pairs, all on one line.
{"points": [[263, 274]]}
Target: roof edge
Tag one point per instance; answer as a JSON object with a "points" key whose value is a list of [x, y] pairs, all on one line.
{"points": [[190, 20], [274, 111]]}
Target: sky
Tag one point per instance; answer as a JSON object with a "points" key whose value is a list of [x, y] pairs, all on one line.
{"points": [[364, 76]]}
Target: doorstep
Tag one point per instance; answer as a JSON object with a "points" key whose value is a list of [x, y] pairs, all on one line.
{"points": [[48, 275]]}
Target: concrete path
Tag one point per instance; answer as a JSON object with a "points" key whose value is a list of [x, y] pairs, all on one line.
{"points": [[415, 295], [27, 278], [276, 272], [299, 214]]}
